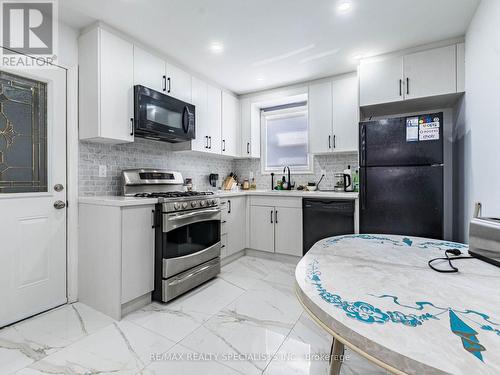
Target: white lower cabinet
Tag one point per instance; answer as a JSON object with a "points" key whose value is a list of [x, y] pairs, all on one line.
{"points": [[138, 249], [276, 225], [262, 228], [116, 257], [288, 231], [233, 225]]}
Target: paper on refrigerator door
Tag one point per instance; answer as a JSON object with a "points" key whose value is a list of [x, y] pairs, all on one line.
{"points": [[412, 129], [428, 128]]}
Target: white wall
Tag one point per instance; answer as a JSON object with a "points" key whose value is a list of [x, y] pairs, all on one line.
{"points": [[482, 77], [68, 46]]}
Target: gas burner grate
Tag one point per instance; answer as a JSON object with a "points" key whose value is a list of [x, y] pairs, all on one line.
{"points": [[174, 194]]}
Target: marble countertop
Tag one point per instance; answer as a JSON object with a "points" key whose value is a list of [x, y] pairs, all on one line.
{"points": [[120, 201], [378, 293]]}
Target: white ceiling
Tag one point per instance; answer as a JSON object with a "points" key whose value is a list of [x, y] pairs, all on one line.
{"points": [[270, 43]]}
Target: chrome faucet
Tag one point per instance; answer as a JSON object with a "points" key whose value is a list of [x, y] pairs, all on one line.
{"points": [[289, 186]]}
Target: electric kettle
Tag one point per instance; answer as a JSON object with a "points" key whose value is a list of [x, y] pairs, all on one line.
{"points": [[348, 185]]}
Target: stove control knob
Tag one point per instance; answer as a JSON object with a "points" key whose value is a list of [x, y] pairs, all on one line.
{"points": [[184, 205], [203, 203], [193, 204], [214, 202], [177, 205]]}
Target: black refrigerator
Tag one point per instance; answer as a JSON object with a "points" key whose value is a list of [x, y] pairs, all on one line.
{"points": [[401, 176]]}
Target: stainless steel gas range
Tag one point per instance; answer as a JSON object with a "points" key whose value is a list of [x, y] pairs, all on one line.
{"points": [[187, 234]]}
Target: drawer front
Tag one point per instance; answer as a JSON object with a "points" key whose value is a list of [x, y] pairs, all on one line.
{"points": [[265, 200]]}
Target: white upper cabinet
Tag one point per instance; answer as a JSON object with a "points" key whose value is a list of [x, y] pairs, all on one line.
{"points": [[334, 116], [461, 67], [381, 81], [430, 73], [178, 83], [149, 70], [438, 71], [214, 118], [106, 83], [345, 114], [250, 129], [230, 125], [199, 99], [320, 117]]}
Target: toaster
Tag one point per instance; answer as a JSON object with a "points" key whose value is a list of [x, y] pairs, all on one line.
{"points": [[484, 239]]}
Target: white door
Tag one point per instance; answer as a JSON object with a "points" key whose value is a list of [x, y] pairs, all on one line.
{"points": [[199, 93], [345, 115], [288, 231], [231, 141], [429, 73], [262, 228], [214, 118], [149, 70], [179, 83], [320, 118], [381, 81], [32, 164]]}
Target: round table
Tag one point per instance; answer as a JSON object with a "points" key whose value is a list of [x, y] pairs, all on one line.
{"points": [[376, 295]]}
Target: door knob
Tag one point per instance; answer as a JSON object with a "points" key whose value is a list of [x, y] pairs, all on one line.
{"points": [[58, 187], [59, 205]]}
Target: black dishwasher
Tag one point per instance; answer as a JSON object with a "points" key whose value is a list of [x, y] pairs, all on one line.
{"points": [[322, 218]]}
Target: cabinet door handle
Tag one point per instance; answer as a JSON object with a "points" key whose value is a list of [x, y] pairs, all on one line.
{"points": [[407, 86], [248, 148], [271, 216], [276, 216], [206, 138], [132, 126], [169, 81], [223, 145], [210, 139], [400, 87], [229, 207], [334, 141], [329, 141], [164, 83]]}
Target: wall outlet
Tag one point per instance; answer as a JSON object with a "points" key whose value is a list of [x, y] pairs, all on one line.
{"points": [[102, 171]]}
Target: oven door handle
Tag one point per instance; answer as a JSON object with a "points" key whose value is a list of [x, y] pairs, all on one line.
{"points": [[192, 274], [179, 220]]}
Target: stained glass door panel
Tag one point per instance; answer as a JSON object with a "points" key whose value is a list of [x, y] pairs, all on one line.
{"points": [[23, 134]]}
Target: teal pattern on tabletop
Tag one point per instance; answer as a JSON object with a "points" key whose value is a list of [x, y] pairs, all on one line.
{"points": [[424, 311]]}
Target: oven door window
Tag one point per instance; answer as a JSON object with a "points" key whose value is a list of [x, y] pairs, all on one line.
{"points": [[190, 239]]}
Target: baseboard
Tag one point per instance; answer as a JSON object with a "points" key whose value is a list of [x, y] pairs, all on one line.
{"points": [[136, 304], [231, 258], [272, 256]]}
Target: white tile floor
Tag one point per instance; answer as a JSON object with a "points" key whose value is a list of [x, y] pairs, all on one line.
{"points": [[250, 309]]}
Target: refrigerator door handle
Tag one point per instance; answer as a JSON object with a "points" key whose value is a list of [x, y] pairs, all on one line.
{"points": [[362, 197], [362, 144]]}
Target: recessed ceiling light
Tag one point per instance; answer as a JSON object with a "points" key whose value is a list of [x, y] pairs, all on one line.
{"points": [[216, 47], [344, 7]]}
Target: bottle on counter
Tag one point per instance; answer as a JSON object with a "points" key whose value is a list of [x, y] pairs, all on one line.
{"points": [[355, 181]]}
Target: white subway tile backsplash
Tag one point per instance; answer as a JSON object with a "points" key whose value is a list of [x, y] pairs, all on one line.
{"points": [[150, 154]]}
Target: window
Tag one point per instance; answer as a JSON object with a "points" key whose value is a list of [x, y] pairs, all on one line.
{"points": [[285, 138]]}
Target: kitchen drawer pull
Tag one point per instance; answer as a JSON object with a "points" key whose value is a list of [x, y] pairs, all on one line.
{"points": [[248, 148], [164, 83], [329, 141], [407, 86], [271, 217], [229, 209], [276, 216], [334, 141], [169, 81]]}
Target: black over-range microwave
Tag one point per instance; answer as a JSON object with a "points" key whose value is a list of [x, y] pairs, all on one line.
{"points": [[161, 117]]}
